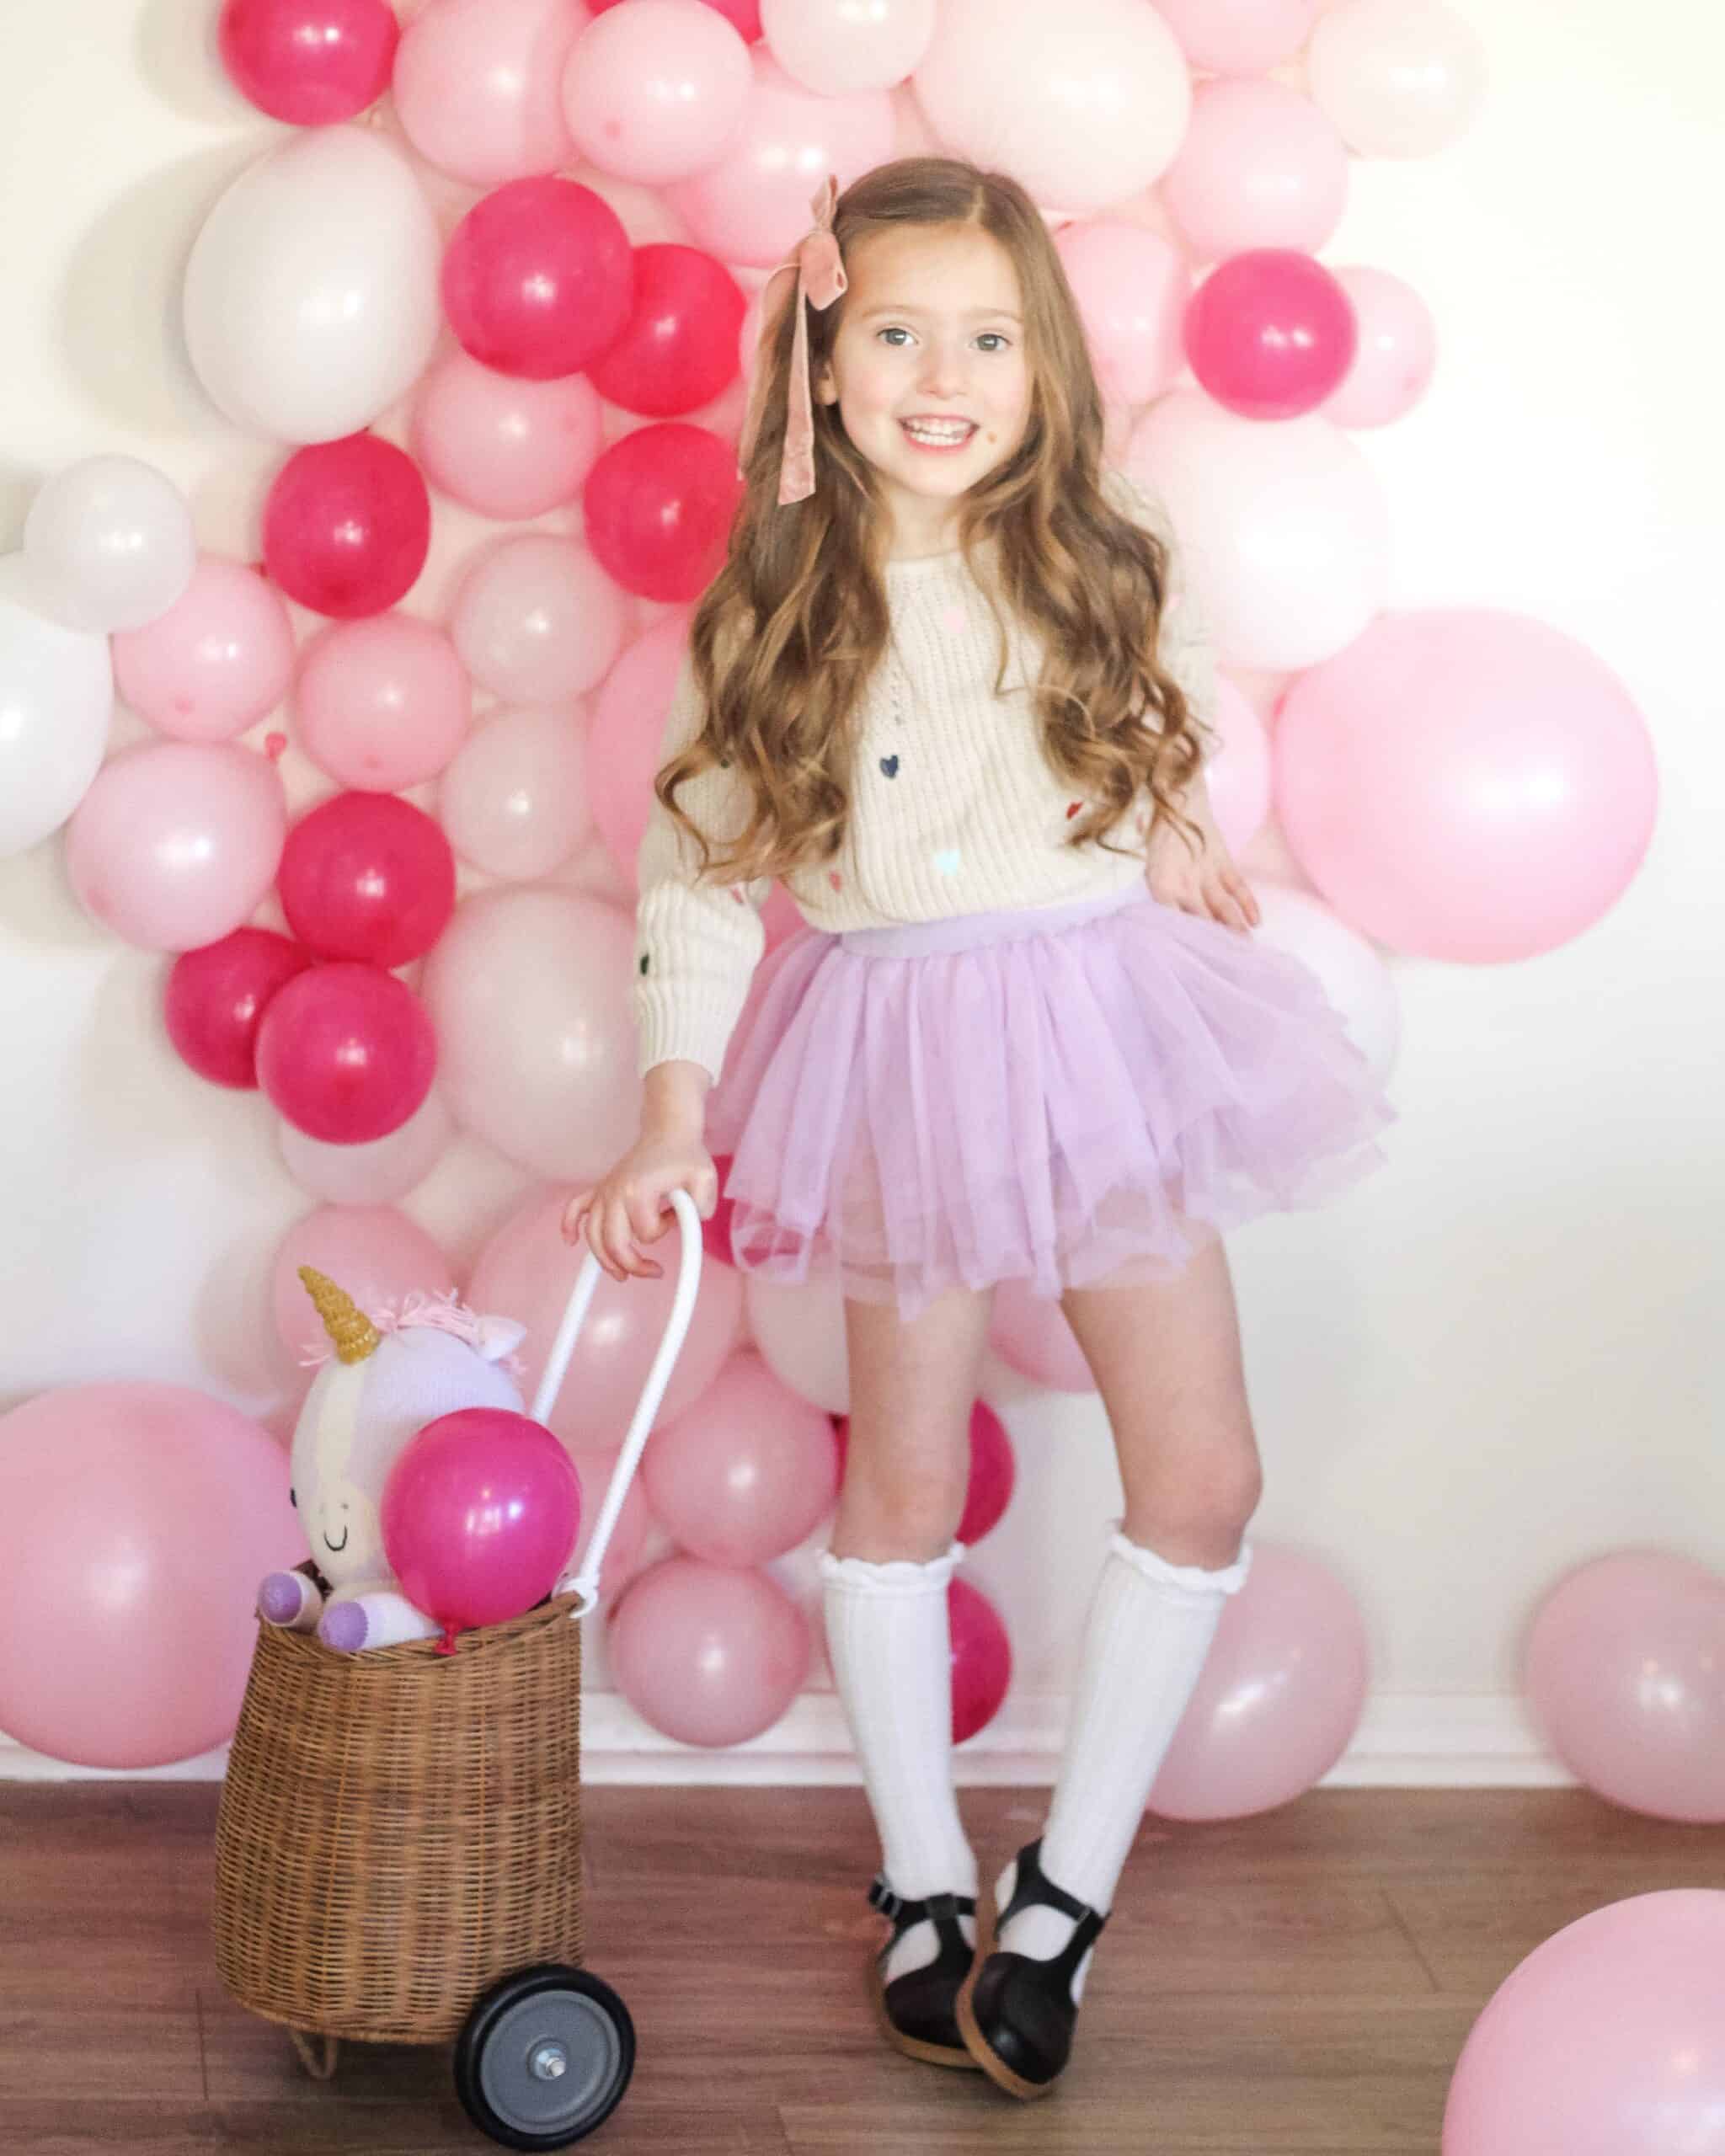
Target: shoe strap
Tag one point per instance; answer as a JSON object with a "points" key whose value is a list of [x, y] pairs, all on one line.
{"points": [[931, 1907], [1032, 1886]]}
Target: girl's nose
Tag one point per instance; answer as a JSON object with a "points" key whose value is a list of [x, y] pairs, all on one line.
{"points": [[943, 372]]}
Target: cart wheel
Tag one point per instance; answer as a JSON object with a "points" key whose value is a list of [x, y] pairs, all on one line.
{"points": [[544, 2057]]}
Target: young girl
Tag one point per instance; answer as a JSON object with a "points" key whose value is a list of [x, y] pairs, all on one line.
{"points": [[946, 687]]}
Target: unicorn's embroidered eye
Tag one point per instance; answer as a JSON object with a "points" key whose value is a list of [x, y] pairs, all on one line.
{"points": [[293, 1499]]}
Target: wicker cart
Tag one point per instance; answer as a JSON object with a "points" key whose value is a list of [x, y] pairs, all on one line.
{"points": [[398, 1847]]}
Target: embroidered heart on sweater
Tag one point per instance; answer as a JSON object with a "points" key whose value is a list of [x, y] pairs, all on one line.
{"points": [[834, 878], [890, 765], [1072, 809]]}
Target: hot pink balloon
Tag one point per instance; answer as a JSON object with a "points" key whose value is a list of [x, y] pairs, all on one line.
{"points": [[634, 1522], [655, 91], [1030, 1333], [981, 1659], [745, 1474], [310, 62], [138, 1520], [1131, 287], [1259, 166], [1269, 333], [378, 1255], [216, 663], [367, 876], [993, 1470], [508, 448], [744, 16], [216, 999], [346, 1053], [1396, 355], [1609, 2040], [382, 704], [706, 1654], [625, 732], [1279, 1699], [476, 86], [347, 525], [1239, 37], [537, 279], [657, 509], [679, 346], [1466, 784]]}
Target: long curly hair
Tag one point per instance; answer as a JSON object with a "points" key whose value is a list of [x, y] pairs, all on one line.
{"points": [[786, 638]]}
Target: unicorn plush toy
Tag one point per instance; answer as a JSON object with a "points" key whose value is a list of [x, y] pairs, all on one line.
{"points": [[379, 1388]]}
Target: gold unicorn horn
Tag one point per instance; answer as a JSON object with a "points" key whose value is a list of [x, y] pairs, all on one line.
{"points": [[347, 1325]]}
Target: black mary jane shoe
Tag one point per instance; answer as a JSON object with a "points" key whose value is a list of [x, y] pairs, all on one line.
{"points": [[1017, 2015], [917, 2009]]}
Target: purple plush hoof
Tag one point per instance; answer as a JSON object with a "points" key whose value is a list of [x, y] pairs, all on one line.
{"points": [[279, 1597], [342, 1627]]}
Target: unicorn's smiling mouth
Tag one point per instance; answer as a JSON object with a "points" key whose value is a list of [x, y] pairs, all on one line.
{"points": [[336, 1547]]}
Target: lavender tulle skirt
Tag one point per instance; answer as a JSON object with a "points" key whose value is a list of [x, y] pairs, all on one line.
{"points": [[1067, 1096]]}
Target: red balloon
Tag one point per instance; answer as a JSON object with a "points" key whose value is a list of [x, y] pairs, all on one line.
{"points": [[480, 1515], [346, 1054], [347, 526], [679, 346], [743, 15], [311, 62], [1270, 333], [657, 506], [367, 876], [992, 1469], [982, 1659], [537, 278], [217, 997]]}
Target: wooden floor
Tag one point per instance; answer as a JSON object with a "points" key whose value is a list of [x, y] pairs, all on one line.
{"points": [[1301, 1981]]}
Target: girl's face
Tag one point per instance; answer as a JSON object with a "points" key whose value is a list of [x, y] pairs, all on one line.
{"points": [[928, 369]]}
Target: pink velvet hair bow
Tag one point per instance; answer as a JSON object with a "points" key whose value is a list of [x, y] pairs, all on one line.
{"points": [[821, 280]]}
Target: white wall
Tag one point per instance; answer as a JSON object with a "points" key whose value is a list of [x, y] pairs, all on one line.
{"points": [[1486, 1364]]}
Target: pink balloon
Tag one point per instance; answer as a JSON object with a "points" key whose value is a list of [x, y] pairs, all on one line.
{"points": [[346, 1054], [679, 346], [744, 16], [657, 508], [376, 1173], [981, 1659], [383, 704], [480, 1516], [1466, 784], [1609, 2040], [535, 619], [176, 841], [476, 86], [515, 801], [1239, 37], [1269, 333], [1030, 1333], [508, 448], [378, 1255], [347, 525], [536, 278], [217, 997], [1279, 1699], [310, 62], [634, 1522], [1131, 287], [707, 1655], [746, 1473], [1397, 355], [1238, 776], [367, 876], [1260, 165], [626, 732], [215, 662], [139, 1519], [1624, 1669], [781, 916], [993, 1470], [655, 91]]}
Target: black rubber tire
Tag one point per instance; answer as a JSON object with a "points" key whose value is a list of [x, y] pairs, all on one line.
{"points": [[497, 2091]]}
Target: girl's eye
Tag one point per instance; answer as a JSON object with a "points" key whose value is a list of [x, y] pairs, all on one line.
{"points": [[895, 333], [994, 340]]}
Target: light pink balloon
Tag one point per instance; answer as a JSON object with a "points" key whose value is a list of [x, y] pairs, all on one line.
{"points": [[526, 1272], [835, 46], [707, 1655], [1030, 1333], [1131, 287], [1465, 784], [513, 801], [1260, 165], [634, 1522], [801, 1333], [1354, 977], [626, 732], [1609, 2040], [654, 92], [1625, 1670], [1396, 356], [138, 1520], [1237, 777], [535, 620], [746, 1473], [375, 1253], [177, 841], [215, 662], [1401, 79], [1239, 37], [377, 1172], [382, 703], [500, 443], [476, 86], [1280, 1698]]}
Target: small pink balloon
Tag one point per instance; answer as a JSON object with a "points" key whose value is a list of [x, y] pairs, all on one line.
{"points": [[382, 703], [655, 91], [1393, 366], [707, 1655], [1280, 1698], [347, 525], [1269, 333], [346, 1054], [310, 62], [537, 620], [377, 1254], [626, 732], [537, 278], [476, 86], [1238, 776], [216, 663], [514, 801], [744, 16], [1131, 287], [509, 448], [1030, 1333], [376, 1173], [981, 1659], [1239, 37], [1259, 166], [367, 876], [745, 1474], [634, 1522]]}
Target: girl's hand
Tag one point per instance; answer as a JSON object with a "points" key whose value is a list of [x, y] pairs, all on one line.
{"points": [[631, 1206], [1204, 882]]}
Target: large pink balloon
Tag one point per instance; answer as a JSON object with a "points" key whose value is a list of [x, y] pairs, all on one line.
{"points": [[1131, 287], [981, 1659], [476, 86], [515, 800], [1466, 784], [382, 703], [1269, 333], [347, 525], [1609, 2040], [537, 278], [535, 620], [367, 876], [634, 1522], [746, 1473], [744, 16], [706, 1654], [138, 1520], [1260, 167], [657, 509], [377, 1254], [508, 448], [1030, 1333], [655, 91], [1279, 1699], [310, 62], [1397, 354], [1625, 1670], [377, 1172], [1239, 37], [347, 1053], [1238, 776], [625, 733], [216, 662], [679, 348]]}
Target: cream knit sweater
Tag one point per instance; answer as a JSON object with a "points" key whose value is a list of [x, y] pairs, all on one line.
{"points": [[954, 809]]}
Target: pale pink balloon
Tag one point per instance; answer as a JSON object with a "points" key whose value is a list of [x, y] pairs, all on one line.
{"points": [[177, 841], [1280, 1698], [1260, 165], [1401, 79], [1625, 1670], [138, 1519], [535, 618], [513, 801], [1239, 37], [526, 1272], [752, 205], [476, 86], [746, 1473], [215, 662], [1396, 356], [1131, 287], [1030, 1334], [375, 1253], [626, 735], [655, 91], [377, 1172], [500, 443], [634, 1524], [1466, 784], [382, 703], [800, 1331], [707, 1655], [1237, 777], [835, 46], [1354, 977]]}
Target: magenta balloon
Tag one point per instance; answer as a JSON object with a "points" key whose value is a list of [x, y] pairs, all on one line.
{"points": [[367, 876], [216, 999], [1270, 333], [679, 346], [993, 1472], [537, 278], [138, 1520], [658, 507], [706, 1654], [310, 62], [981, 1659], [347, 526], [1609, 2040], [346, 1054]]}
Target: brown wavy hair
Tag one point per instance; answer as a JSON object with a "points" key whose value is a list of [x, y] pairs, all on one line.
{"points": [[786, 636]]}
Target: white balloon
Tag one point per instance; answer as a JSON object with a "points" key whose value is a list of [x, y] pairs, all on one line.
{"points": [[513, 801], [311, 300], [1399, 78], [110, 543], [376, 1173], [56, 699], [837, 47], [1354, 976], [801, 1333]]}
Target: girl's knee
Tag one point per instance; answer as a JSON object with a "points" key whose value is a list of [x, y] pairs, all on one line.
{"points": [[883, 1517], [1202, 1518]]}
